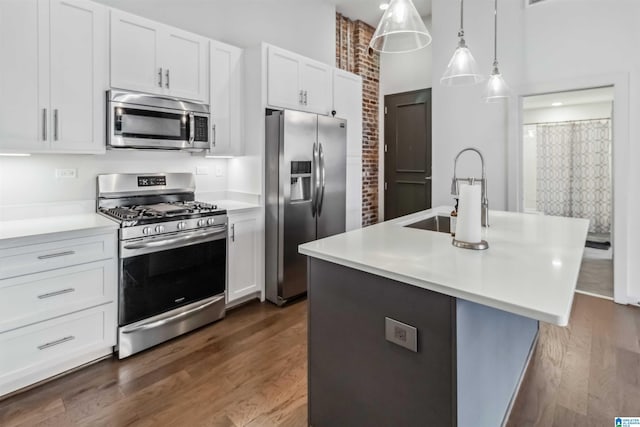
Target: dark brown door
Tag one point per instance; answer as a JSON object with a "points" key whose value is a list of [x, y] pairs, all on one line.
{"points": [[407, 160]]}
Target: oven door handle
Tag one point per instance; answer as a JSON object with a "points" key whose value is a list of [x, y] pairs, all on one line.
{"points": [[160, 322], [190, 239]]}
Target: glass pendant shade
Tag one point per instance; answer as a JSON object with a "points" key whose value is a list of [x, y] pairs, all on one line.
{"points": [[462, 69], [497, 89], [400, 30]]}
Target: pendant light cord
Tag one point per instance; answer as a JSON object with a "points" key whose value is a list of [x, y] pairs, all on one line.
{"points": [[461, 32], [495, 34]]}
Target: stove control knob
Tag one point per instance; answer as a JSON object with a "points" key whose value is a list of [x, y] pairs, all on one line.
{"points": [[182, 225], [159, 228], [211, 221], [146, 230], [201, 223]]}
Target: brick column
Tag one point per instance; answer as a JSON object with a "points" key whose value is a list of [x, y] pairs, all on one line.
{"points": [[353, 54]]}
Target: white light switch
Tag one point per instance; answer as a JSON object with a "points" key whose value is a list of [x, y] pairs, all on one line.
{"points": [[219, 171]]}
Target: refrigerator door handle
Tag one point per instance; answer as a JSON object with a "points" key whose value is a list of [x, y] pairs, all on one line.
{"points": [[315, 177], [322, 176]]}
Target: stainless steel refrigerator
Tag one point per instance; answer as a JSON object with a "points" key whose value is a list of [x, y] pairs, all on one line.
{"points": [[305, 194]]}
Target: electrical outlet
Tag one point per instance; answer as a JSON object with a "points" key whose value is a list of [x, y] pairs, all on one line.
{"points": [[66, 173], [401, 334], [219, 172], [202, 170]]}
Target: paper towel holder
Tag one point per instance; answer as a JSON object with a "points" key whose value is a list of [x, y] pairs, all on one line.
{"points": [[478, 246]]}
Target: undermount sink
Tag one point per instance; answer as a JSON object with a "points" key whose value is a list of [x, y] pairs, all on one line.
{"points": [[438, 223]]}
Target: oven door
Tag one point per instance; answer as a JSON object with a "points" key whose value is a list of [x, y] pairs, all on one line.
{"points": [[141, 126], [161, 274]]}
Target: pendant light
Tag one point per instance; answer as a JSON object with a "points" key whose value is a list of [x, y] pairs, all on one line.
{"points": [[400, 30], [462, 69], [497, 89]]}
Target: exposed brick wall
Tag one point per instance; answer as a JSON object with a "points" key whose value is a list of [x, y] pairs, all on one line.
{"points": [[353, 54]]}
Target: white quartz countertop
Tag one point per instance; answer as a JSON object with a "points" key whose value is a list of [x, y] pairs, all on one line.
{"points": [[530, 269], [54, 224]]}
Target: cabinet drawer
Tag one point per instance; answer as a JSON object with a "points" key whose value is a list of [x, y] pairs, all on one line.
{"points": [[48, 344], [29, 259], [41, 296]]}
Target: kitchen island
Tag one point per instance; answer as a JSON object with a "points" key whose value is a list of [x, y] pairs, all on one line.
{"points": [[406, 329]]}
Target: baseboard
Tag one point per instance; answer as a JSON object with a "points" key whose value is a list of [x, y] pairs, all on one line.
{"points": [[591, 294]]}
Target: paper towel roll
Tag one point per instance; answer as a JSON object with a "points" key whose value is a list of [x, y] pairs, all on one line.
{"points": [[469, 223]]}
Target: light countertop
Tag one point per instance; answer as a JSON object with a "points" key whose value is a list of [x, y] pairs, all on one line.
{"points": [[54, 224], [233, 206], [531, 267]]}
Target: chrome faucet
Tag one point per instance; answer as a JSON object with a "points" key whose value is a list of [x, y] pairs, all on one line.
{"points": [[483, 182]]}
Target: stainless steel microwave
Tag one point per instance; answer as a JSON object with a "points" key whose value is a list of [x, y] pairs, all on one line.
{"points": [[139, 120]]}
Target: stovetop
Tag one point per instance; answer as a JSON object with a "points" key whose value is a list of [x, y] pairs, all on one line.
{"points": [[161, 212]]}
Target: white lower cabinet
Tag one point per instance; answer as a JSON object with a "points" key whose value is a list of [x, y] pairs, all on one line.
{"points": [[244, 247], [58, 310]]}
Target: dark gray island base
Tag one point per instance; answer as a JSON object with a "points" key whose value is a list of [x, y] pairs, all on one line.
{"points": [[467, 367]]}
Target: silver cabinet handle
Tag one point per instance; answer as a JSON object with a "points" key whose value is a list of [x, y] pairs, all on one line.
{"points": [[56, 254], [233, 232], [428, 178], [300, 97], [192, 127], [55, 124], [44, 124], [305, 97], [56, 293], [56, 342], [214, 135], [167, 75], [160, 77]]}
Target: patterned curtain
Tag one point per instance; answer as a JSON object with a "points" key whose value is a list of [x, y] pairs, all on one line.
{"points": [[574, 171]]}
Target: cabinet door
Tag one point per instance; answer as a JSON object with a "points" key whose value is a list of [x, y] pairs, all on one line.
{"points": [[226, 98], [316, 84], [24, 77], [79, 61], [347, 102], [184, 58], [243, 256], [135, 64], [283, 79]]}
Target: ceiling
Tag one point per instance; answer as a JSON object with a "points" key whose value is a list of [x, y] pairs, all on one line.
{"points": [[369, 10], [587, 96]]}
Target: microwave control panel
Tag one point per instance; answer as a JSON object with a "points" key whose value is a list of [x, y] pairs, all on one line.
{"points": [[201, 131]]}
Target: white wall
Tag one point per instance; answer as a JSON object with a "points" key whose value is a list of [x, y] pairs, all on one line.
{"points": [[303, 26], [460, 117]]}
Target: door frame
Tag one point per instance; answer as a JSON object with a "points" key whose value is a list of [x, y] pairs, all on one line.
{"points": [[620, 165], [382, 158]]}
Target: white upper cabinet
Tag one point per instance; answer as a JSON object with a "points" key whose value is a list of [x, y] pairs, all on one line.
{"points": [[347, 103], [316, 86], [185, 61], [298, 83], [55, 75], [150, 57], [79, 74], [283, 74], [226, 99], [135, 64]]}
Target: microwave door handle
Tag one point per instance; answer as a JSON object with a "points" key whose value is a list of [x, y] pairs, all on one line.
{"points": [[192, 128]]}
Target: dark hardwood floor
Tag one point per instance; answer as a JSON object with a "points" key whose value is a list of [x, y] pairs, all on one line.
{"points": [[250, 370]]}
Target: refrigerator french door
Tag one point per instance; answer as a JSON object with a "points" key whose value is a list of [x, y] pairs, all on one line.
{"points": [[306, 194]]}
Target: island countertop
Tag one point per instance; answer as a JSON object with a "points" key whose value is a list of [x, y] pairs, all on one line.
{"points": [[530, 269]]}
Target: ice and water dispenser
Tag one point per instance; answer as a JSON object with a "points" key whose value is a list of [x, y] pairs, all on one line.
{"points": [[300, 181]]}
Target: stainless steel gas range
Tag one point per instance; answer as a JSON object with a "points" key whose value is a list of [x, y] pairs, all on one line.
{"points": [[172, 253]]}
